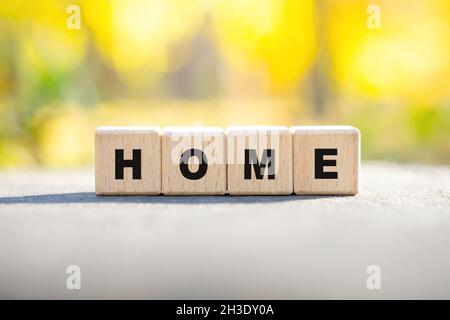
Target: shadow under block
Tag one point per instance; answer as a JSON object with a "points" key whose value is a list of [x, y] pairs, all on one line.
{"points": [[193, 161], [326, 160], [128, 161], [259, 160]]}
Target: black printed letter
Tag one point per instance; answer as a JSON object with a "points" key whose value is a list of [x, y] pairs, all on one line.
{"points": [[267, 161], [134, 163], [202, 168], [320, 162]]}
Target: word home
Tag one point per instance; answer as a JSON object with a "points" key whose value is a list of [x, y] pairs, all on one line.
{"points": [[241, 160]]}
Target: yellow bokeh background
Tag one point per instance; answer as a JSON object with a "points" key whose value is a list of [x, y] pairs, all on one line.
{"points": [[223, 62]]}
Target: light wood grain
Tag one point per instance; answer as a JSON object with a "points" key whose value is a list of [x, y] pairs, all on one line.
{"points": [[146, 139], [176, 141], [346, 140], [259, 138]]}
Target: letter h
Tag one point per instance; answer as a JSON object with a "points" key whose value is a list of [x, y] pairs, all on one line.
{"points": [[134, 163]]}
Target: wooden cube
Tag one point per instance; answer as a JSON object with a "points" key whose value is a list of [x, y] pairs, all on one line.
{"points": [[193, 161], [259, 160], [326, 160], [128, 161]]}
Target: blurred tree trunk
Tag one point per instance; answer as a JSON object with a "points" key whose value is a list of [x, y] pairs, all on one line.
{"points": [[319, 73]]}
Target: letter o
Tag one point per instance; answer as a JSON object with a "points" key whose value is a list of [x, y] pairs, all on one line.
{"points": [[202, 168]]}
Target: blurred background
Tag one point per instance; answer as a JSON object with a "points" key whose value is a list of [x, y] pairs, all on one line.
{"points": [[67, 67]]}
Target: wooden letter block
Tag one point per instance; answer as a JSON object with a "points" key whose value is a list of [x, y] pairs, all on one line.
{"points": [[193, 161], [259, 160], [326, 160], [128, 161]]}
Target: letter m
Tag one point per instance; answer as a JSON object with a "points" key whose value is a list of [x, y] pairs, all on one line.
{"points": [[267, 162]]}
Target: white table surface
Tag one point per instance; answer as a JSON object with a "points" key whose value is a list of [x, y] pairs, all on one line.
{"points": [[289, 247]]}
